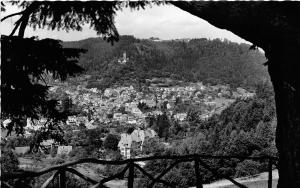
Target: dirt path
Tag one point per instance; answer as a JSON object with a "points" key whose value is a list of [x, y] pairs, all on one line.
{"points": [[253, 182], [91, 172]]}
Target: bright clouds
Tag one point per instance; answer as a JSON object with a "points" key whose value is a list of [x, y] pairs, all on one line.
{"points": [[165, 22]]}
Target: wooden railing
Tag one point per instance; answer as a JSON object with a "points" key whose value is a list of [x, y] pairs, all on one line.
{"points": [[198, 160]]}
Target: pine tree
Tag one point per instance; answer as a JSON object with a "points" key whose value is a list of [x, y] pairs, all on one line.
{"points": [[24, 90]]}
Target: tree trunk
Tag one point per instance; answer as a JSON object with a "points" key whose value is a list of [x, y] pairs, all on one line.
{"points": [[284, 69]]}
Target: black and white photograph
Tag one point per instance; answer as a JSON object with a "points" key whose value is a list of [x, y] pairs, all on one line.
{"points": [[142, 94]]}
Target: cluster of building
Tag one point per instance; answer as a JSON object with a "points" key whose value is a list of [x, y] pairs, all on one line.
{"points": [[121, 104]]}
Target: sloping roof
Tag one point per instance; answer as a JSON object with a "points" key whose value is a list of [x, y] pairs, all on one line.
{"points": [[153, 133], [136, 136], [125, 140], [148, 133]]}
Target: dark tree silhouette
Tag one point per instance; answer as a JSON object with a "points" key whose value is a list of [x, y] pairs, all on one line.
{"points": [[71, 16], [24, 90], [111, 142], [273, 26], [162, 126]]}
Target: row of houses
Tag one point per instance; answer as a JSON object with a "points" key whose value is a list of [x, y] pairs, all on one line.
{"points": [[101, 105]]}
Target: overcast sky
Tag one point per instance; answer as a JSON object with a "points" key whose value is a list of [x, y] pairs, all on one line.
{"points": [[164, 22]]}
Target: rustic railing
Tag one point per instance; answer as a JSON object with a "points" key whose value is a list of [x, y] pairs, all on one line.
{"points": [[198, 160]]}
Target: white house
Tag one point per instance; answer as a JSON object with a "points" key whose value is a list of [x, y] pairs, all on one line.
{"points": [[125, 145], [35, 124], [136, 136], [90, 125], [94, 90], [6, 122], [71, 120], [64, 150], [180, 116]]}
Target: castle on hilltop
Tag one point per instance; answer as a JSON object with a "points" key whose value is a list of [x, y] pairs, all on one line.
{"points": [[124, 59]]}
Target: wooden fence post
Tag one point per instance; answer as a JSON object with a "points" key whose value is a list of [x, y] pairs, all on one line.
{"points": [[270, 173], [62, 179], [197, 172], [131, 174]]}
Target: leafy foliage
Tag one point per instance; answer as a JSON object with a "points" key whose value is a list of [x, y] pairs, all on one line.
{"points": [[72, 15], [24, 90], [111, 142], [9, 161], [161, 126], [86, 142], [16, 142]]}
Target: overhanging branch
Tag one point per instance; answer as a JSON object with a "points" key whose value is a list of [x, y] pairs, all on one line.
{"points": [[17, 24], [25, 18], [11, 15]]}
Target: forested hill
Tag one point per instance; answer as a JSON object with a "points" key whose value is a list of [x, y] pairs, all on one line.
{"points": [[212, 61]]}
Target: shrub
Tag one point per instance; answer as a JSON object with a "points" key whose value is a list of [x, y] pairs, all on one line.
{"points": [[247, 168], [111, 142], [9, 161], [38, 156]]}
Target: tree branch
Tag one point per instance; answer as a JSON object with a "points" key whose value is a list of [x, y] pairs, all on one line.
{"points": [[15, 28], [236, 17], [11, 15], [23, 21]]}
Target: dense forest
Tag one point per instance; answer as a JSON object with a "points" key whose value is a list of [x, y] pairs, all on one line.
{"points": [[245, 128], [210, 61]]}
